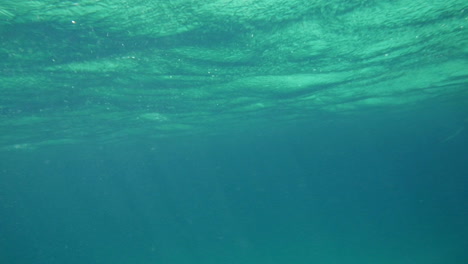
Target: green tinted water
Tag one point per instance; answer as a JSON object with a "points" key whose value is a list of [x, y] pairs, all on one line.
{"points": [[71, 72], [233, 131]]}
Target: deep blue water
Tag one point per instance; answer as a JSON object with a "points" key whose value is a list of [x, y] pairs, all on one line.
{"points": [[384, 188], [233, 132]]}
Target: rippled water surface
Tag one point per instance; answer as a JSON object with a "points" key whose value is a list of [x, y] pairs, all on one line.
{"points": [[106, 70]]}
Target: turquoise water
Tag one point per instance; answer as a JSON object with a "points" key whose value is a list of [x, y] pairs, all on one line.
{"points": [[239, 131]]}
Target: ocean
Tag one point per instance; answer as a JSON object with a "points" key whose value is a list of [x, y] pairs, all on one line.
{"points": [[233, 132]]}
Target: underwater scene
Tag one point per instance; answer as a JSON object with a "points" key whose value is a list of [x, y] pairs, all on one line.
{"points": [[234, 132]]}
